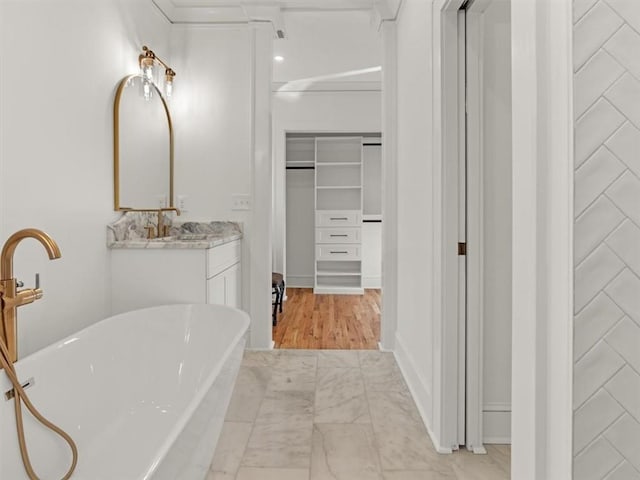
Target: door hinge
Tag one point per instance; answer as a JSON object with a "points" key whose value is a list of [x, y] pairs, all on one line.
{"points": [[462, 248]]}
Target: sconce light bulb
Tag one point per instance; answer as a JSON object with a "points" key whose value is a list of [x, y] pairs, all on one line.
{"points": [[147, 90], [168, 90], [148, 72]]}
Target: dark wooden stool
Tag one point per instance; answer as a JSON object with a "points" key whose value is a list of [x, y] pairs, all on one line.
{"points": [[277, 289]]}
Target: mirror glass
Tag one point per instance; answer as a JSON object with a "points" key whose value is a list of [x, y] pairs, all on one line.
{"points": [[143, 146]]}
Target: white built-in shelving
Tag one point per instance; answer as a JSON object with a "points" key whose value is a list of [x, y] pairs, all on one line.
{"points": [[338, 206]]}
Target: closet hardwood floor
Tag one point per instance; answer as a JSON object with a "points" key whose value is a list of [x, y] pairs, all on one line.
{"points": [[346, 322]]}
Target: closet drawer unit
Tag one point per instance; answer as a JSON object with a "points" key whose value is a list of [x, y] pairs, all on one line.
{"points": [[222, 257], [337, 252], [338, 219], [338, 235]]}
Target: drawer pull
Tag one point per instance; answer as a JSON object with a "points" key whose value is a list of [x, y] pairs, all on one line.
{"points": [[339, 218], [339, 251], [338, 235]]}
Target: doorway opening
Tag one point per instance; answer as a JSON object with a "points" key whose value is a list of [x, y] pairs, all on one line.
{"points": [[333, 243], [485, 227]]}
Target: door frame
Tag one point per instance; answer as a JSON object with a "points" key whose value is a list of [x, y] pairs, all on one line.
{"points": [[542, 332], [475, 228]]}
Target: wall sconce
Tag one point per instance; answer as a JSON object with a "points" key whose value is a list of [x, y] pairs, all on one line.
{"points": [[147, 61]]}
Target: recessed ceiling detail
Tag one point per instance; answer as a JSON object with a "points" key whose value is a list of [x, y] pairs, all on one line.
{"points": [[244, 11]]}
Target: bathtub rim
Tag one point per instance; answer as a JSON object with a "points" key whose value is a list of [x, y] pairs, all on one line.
{"points": [[195, 400]]}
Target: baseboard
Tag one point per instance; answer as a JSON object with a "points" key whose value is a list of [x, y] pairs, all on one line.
{"points": [[496, 423], [300, 281], [419, 391], [372, 282]]}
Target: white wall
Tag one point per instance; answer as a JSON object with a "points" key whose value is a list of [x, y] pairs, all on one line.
{"points": [[220, 146], [300, 236], [414, 346], [497, 199], [211, 108], [61, 62]]}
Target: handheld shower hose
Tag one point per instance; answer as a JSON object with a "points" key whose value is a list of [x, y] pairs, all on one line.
{"points": [[21, 396]]}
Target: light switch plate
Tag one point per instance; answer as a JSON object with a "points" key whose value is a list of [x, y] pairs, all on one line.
{"points": [[240, 201]]}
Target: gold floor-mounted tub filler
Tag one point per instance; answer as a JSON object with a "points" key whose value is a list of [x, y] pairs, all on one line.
{"points": [[10, 299]]}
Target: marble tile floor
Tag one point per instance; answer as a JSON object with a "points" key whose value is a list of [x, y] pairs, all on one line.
{"points": [[334, 415]]}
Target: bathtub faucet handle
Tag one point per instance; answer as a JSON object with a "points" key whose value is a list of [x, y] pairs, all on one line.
{"points": [[37, 291]]}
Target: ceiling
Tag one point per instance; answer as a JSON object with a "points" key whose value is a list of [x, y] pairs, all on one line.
{"points": [[243, 11]]}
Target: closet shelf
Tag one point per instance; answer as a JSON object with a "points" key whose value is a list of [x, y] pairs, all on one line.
{"points": [[338, 187], [338, 164], [327, 273]]}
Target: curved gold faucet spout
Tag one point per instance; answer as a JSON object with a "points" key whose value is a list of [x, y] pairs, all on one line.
{"points": [[6, 257], [10, 297]]}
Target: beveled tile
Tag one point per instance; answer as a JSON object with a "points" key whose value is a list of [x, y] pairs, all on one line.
{"points": [[340, 397], [596, 461], [592, 31], [624, 241], [593, 370], [285, 444], [622, 46], [230, 448], [593, 322], [594, 176], [246, 473], [344, 452], [629, 10], [624, 291], [599, 73], [594, 225], [250, 388], [624, 472], [625, 387], [625, 340], [624, 435], [594, 127], [625, 193], [581, 7], [625, 144], [338, 359], [625, 96], [590, 420], [594, 273]]}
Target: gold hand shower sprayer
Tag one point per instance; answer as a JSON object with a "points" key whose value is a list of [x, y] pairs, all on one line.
{"points": [[10, 299]]}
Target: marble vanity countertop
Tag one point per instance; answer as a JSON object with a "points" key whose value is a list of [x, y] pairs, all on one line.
{"points": [[129, 232]]}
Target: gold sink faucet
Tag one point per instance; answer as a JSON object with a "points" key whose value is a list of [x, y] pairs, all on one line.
{"points": [[10, 297]]}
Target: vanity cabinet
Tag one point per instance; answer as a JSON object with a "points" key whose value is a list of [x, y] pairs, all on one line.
{"points": [[159, 276]]}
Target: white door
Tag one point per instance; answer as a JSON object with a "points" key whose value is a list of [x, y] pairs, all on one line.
{"points": [[488, 147]]}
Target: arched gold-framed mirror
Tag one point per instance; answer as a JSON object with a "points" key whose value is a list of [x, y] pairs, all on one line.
{"points": [[143, 158]]}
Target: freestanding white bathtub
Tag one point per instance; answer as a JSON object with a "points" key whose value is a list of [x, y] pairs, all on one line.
{"points": [[143, 394]]}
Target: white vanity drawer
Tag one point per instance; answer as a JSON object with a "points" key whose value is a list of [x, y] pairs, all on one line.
{"points": [[338, 218], [338, 235], [222, 257], [338, 252]]}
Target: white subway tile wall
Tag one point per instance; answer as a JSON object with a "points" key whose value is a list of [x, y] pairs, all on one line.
{"points": [[607, 240]]}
